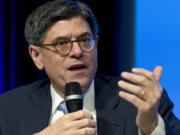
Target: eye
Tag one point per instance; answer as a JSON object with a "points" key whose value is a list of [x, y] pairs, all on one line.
{"points": [[62, 42], [85, 40]]}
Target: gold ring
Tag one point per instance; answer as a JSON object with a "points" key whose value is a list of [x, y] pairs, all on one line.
{"points": [[142, 93]]}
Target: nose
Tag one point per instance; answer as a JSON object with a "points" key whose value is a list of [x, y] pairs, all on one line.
{"points": [[76, 51]]}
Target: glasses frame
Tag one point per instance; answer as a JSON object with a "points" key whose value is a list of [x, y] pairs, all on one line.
{"points": [[95, 39]]}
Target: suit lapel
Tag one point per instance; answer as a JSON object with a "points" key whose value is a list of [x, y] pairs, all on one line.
{"points": [[115, 116], [106, 101], [37, 113]]}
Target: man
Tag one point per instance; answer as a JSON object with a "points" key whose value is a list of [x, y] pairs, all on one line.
{"points": [[62, 37]]}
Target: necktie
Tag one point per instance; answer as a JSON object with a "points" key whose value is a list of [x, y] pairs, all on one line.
{"points": [[62, 107]]}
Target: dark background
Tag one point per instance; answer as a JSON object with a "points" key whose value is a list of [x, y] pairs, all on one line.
{"points": [[115, 48]]}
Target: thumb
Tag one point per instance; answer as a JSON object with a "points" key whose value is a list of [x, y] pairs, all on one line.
{"points": [[157, 72]]}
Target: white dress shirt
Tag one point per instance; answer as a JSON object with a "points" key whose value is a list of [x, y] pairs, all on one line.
{"points": [[89, 97], [89, 106]]}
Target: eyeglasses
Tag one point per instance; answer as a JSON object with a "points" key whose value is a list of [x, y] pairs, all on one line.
{"points": [[64, 46]]}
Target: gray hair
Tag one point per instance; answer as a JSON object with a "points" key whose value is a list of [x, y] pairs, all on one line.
{"points": [[41, 19]]}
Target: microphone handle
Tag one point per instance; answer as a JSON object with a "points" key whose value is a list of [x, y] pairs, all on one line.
{"points": [[74, 105]]}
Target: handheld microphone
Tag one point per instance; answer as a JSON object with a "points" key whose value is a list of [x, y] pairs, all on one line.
{"points": [[73, 97]]}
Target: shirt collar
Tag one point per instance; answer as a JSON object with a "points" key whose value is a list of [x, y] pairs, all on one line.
{"points": [[56, 99], [88, 103]]}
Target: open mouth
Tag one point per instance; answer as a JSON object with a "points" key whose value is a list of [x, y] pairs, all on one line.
{"points": [[77, 67]]}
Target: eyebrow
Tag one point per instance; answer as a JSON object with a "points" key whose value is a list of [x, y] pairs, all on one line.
{"points": [[65, 38]]}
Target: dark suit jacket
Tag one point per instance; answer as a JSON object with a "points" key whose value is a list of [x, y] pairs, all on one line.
{"points": [[26, 110]]}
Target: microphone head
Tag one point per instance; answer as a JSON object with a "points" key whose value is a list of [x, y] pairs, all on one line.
{"points": [[73, 88], [73, 97]]}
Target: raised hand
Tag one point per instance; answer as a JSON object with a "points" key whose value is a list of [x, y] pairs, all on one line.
{"points": [[144, 91]]}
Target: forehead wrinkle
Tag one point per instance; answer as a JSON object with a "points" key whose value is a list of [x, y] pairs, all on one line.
{"points": [[71, 28], [67, 38]]}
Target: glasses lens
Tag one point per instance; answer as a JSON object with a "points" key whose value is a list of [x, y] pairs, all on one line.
{"points": [[86, 43], [64, 49]]}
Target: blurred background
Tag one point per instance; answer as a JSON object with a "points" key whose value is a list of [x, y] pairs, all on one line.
{"points": [[133, 33]]}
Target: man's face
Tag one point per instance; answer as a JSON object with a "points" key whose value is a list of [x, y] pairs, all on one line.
{"points": [[77, 66]]}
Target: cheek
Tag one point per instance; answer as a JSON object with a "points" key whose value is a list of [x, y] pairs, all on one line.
{"points": [[95, 56], [93, 60], [53, 64]]}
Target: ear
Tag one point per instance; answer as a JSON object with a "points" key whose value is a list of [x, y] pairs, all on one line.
{"points": [[36, 54]]}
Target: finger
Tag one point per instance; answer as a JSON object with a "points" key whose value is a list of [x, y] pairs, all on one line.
{"points": [[157, 73], [130, 87], [143, 72], [85, 131], [136, 101], [84, 123], [152, 77], [78, 115], [141, 80]]}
